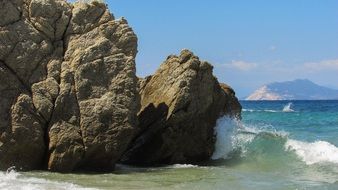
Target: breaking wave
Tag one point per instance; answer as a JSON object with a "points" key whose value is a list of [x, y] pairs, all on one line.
{"points": [[316, 152], [236, 140], [287, 108]]}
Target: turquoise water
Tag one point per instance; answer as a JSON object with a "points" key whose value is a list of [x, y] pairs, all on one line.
{"points": [[277, 145]]}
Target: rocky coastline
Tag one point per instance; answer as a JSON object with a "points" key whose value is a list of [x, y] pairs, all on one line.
{"points": [[70, 98]]}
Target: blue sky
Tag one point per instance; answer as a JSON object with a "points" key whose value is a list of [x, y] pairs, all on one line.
{"points": [[250, 42]]}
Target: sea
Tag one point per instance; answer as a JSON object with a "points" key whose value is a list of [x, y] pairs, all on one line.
{"points": [[277, 145]]}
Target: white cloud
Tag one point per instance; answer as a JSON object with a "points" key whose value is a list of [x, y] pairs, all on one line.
{"points": [[276, 67], [272, 48], [241, 65], [322, 65], [301, 68]]}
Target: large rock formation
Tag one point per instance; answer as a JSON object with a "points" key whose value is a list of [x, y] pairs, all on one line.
{"points": [[180, 105], [68, 96]]}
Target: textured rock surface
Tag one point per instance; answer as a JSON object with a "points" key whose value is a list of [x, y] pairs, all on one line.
{"points": [[180, 105], [232, 105], [67, 85]]}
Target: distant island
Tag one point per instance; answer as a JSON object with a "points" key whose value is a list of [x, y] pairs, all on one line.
{"points": [[299, 89]]}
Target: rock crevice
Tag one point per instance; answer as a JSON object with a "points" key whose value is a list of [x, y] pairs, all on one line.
{"points": [[64, 68]]}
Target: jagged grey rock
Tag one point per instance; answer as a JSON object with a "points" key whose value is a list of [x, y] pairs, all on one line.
{"points": [[69, 98], [68, 93], [180, 105]]}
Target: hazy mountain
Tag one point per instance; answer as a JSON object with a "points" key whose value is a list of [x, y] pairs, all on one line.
{"points": [[300, 89]]}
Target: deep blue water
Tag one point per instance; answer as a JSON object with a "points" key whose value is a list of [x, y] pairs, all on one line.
{"points": [[309, 121]]}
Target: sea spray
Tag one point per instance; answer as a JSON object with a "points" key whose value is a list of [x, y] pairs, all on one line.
{"points": [[232, 136], [261, 142], [287, 108], [225, 131]]}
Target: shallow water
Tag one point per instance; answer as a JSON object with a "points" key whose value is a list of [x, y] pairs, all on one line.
{"points": [[277, 145]]}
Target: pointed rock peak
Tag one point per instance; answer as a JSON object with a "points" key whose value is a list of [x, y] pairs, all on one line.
{"points": [[186, 55], [180, 105]]}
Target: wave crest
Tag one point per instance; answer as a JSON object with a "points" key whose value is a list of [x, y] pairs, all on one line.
{"points": [[233, 136], [287, 108], [313, 153]]}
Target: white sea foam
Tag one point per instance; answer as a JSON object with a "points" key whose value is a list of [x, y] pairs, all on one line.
{"points": [[266, 110], [12, 180], [312, 153], [286, 108], [184, 166], [273, 111], [248, 110]]}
